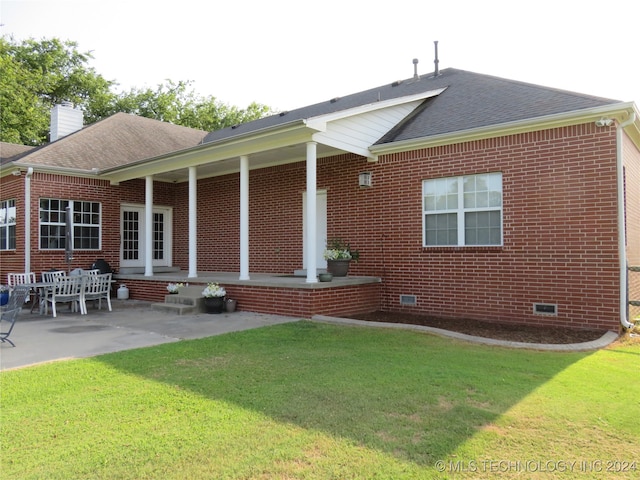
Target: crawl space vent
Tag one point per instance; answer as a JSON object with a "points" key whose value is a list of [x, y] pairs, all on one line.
{"points": [[545, 308], [408, 300]]}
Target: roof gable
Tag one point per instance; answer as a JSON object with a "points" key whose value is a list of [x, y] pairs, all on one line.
{"points": [[115, 141], [471, 100]]}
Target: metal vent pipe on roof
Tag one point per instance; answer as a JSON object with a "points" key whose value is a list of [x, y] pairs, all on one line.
{"points": [[436, 61]]}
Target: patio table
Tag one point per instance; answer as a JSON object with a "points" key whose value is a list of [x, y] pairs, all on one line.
{"points": [[41, 288]]}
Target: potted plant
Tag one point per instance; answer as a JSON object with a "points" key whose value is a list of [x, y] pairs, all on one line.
{"points": [[339, 255], [174, 287], [214, 297], [4, 294]]}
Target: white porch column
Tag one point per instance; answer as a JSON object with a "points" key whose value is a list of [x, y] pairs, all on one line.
{"points": [[193, 222], [148, 226], [27, 220], [312, 274], [244, 217]]}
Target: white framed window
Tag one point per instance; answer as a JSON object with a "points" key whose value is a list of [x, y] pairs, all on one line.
{"points": [[86, 223], [463, 211], [7, 225]]}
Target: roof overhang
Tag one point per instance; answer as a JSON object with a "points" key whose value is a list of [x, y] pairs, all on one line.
{"points": [[284, 143], [620, 112]]}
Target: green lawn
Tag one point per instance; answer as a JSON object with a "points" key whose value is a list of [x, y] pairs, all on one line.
{"points": [[309, 400]]}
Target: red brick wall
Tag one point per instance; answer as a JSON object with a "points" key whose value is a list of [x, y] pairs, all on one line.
{"points": [[632, 190], [560, 234], [12, 188], [44, 185]]}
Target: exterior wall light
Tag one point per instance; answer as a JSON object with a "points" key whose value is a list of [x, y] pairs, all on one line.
{"points": [[364, 179]]}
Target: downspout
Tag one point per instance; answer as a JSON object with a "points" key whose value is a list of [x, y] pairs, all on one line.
{"points": [[622, 239], [27, 220]]}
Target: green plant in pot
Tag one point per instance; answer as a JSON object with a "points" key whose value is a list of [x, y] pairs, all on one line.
{"points": [[214, 297], [339, 255]]}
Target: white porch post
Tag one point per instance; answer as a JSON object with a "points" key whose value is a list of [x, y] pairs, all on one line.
{"points": [[27, 220], [244, 217], [312, 274], [148, 227], [193, 222]]}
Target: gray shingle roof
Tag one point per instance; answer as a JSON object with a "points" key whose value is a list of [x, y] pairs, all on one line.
{"points": [[12, 151], [470, 100], [115, 141]]}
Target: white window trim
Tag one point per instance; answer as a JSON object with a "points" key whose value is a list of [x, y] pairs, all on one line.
{"points": [[4, 205], [460, 211], [70, 203]]}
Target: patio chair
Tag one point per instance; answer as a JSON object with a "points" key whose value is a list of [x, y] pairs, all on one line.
{"points": [[49, 277], [66, 290], [9, 313], [97, 287], [15, 279]]}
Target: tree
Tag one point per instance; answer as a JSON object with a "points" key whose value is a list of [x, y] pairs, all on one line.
{"points": [[176, 103], [36, 75]]}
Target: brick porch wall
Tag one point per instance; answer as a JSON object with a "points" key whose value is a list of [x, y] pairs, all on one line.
{"points": [[302, 302]]}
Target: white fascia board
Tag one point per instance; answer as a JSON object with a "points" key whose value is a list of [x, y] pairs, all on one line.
{"points": [[618, 111], [246, 144], [320, 122]]}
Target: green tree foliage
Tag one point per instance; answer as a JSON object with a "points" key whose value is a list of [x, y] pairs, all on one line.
{"points": [[177, 103], [36, 75]]}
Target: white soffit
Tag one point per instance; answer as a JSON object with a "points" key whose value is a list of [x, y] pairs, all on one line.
{"points": [[356, 129]]}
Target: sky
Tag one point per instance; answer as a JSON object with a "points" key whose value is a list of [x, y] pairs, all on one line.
{"points": [[288, 54]]}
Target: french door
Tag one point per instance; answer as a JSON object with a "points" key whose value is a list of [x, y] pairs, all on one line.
{"points": [[133, 231]]}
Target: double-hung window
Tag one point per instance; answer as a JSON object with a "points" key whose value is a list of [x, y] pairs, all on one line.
{"points": [[85, 220], [462, 211], [7, 225]]}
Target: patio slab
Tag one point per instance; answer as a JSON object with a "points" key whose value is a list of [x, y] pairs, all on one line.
{"points": [[131, 324]]}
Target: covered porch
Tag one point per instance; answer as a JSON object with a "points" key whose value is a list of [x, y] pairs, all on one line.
{"points": [[272, 293]]}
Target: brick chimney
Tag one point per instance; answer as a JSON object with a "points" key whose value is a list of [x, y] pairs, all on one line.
{"points": [[65, 120]]}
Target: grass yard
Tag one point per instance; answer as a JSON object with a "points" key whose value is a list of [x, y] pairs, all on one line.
{"points": [[315, 401]]}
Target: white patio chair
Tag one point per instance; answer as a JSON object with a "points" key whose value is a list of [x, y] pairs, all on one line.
{"points": [[97, 287], [66, 290], [49, 277], [15, 279]]}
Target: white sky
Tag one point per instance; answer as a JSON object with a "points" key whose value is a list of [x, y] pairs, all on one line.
{"points": [[292, 53]]}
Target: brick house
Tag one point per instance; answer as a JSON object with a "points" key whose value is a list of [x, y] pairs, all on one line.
{"points": [[467, 196]]}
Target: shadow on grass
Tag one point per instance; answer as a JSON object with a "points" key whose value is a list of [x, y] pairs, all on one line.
{"points": [[414, 396]]}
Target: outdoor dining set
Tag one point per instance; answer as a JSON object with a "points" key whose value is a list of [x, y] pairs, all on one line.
{"points": [[75, 289]]}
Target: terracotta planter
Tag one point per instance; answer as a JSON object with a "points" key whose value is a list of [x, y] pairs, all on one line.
{"points": [[339, 268], [214, 304]]}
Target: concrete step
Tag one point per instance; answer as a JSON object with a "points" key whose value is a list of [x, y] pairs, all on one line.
{"points": [[187, 300], [175, 308]]}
